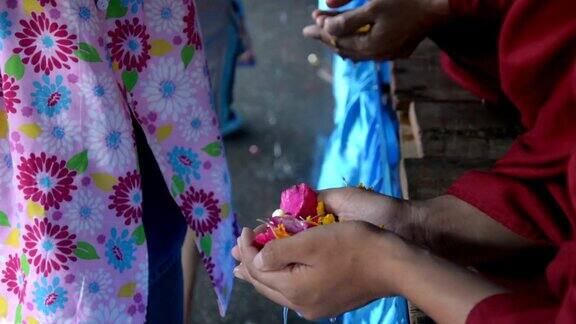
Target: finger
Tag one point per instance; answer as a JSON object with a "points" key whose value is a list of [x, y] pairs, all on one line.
{"points": [[319, 16], [317, 13], [320, 21], [355, 47], [260, 228], [238, 273], [275, 280], [348, 22], [314, 31], [340, 200], [267, 292], [336, 3], [279, 254], [236, 253]]}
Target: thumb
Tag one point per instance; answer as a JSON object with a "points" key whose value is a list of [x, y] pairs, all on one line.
{"points": [[278, 254], [348, 22]]}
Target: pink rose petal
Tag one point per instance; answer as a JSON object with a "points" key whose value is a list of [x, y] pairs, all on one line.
{"points": [[299, 200], [263, 238]]}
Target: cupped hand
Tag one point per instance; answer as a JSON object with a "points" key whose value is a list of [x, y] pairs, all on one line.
{"points": [[362, 205], [396, 27], [323, 271]]}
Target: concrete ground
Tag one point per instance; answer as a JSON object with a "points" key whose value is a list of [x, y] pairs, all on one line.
{"points": [[288, 111]]}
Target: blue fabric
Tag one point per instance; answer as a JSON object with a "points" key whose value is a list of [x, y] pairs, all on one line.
{"points": [[364, 148], [165, 230], [221, 27], [166, 293], [164, 225]]}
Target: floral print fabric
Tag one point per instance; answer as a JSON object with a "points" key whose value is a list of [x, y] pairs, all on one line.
{"points": [[72, 75]]}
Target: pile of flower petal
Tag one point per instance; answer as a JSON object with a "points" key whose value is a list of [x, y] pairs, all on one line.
{"points": [[299, 210]]}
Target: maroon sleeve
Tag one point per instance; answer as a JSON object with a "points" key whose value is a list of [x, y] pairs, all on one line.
{"points": [[483, 8], [532, 189], [513, 308], [518, 205], [556, 306]]}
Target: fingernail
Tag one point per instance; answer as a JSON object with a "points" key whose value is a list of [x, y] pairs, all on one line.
{"points": [[237, 273], [258, 262]]}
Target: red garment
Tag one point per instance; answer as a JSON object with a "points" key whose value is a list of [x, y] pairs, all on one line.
{"points": [[530, 60]]}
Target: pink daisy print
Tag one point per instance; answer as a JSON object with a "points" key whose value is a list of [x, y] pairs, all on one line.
{"points": [[201, 210], [45, 180], [48, 246], [45, 44], [129, 45], [13, 277], [8, 92], [127, 198]]}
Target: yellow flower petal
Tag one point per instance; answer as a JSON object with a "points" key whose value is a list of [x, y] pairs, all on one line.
{"points": [[31, 320], [280, 232], [115, 66], [127, 290], [35, 210], [13, 239], [224, 211], [164, 132], [3, 307], [31, 6], [320, 210], [31, 130], [3, 124], [104, 181], [328, 219], [160, 47]]}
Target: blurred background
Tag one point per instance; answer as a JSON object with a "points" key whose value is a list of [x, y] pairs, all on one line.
{"points": [[285, 101]]}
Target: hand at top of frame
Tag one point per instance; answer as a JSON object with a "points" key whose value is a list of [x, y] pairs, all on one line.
{"points": [[378, 30]]}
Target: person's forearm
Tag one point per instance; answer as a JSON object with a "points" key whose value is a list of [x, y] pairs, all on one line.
{"points": [[456, 230], [446, 225], [444, 291]]}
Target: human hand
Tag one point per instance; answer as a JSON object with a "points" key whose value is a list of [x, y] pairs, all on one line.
{"points": [[362, 205], [323, 271], [396, 27]]}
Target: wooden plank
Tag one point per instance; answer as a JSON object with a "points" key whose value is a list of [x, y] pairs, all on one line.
{"points": [[426, 84], [464, 130], [430, 177], [410, 140], [420, 78]]}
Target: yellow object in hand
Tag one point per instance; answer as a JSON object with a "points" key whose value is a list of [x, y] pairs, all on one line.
{"points": [[364, 29], [328, 219], [320, 210]]}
